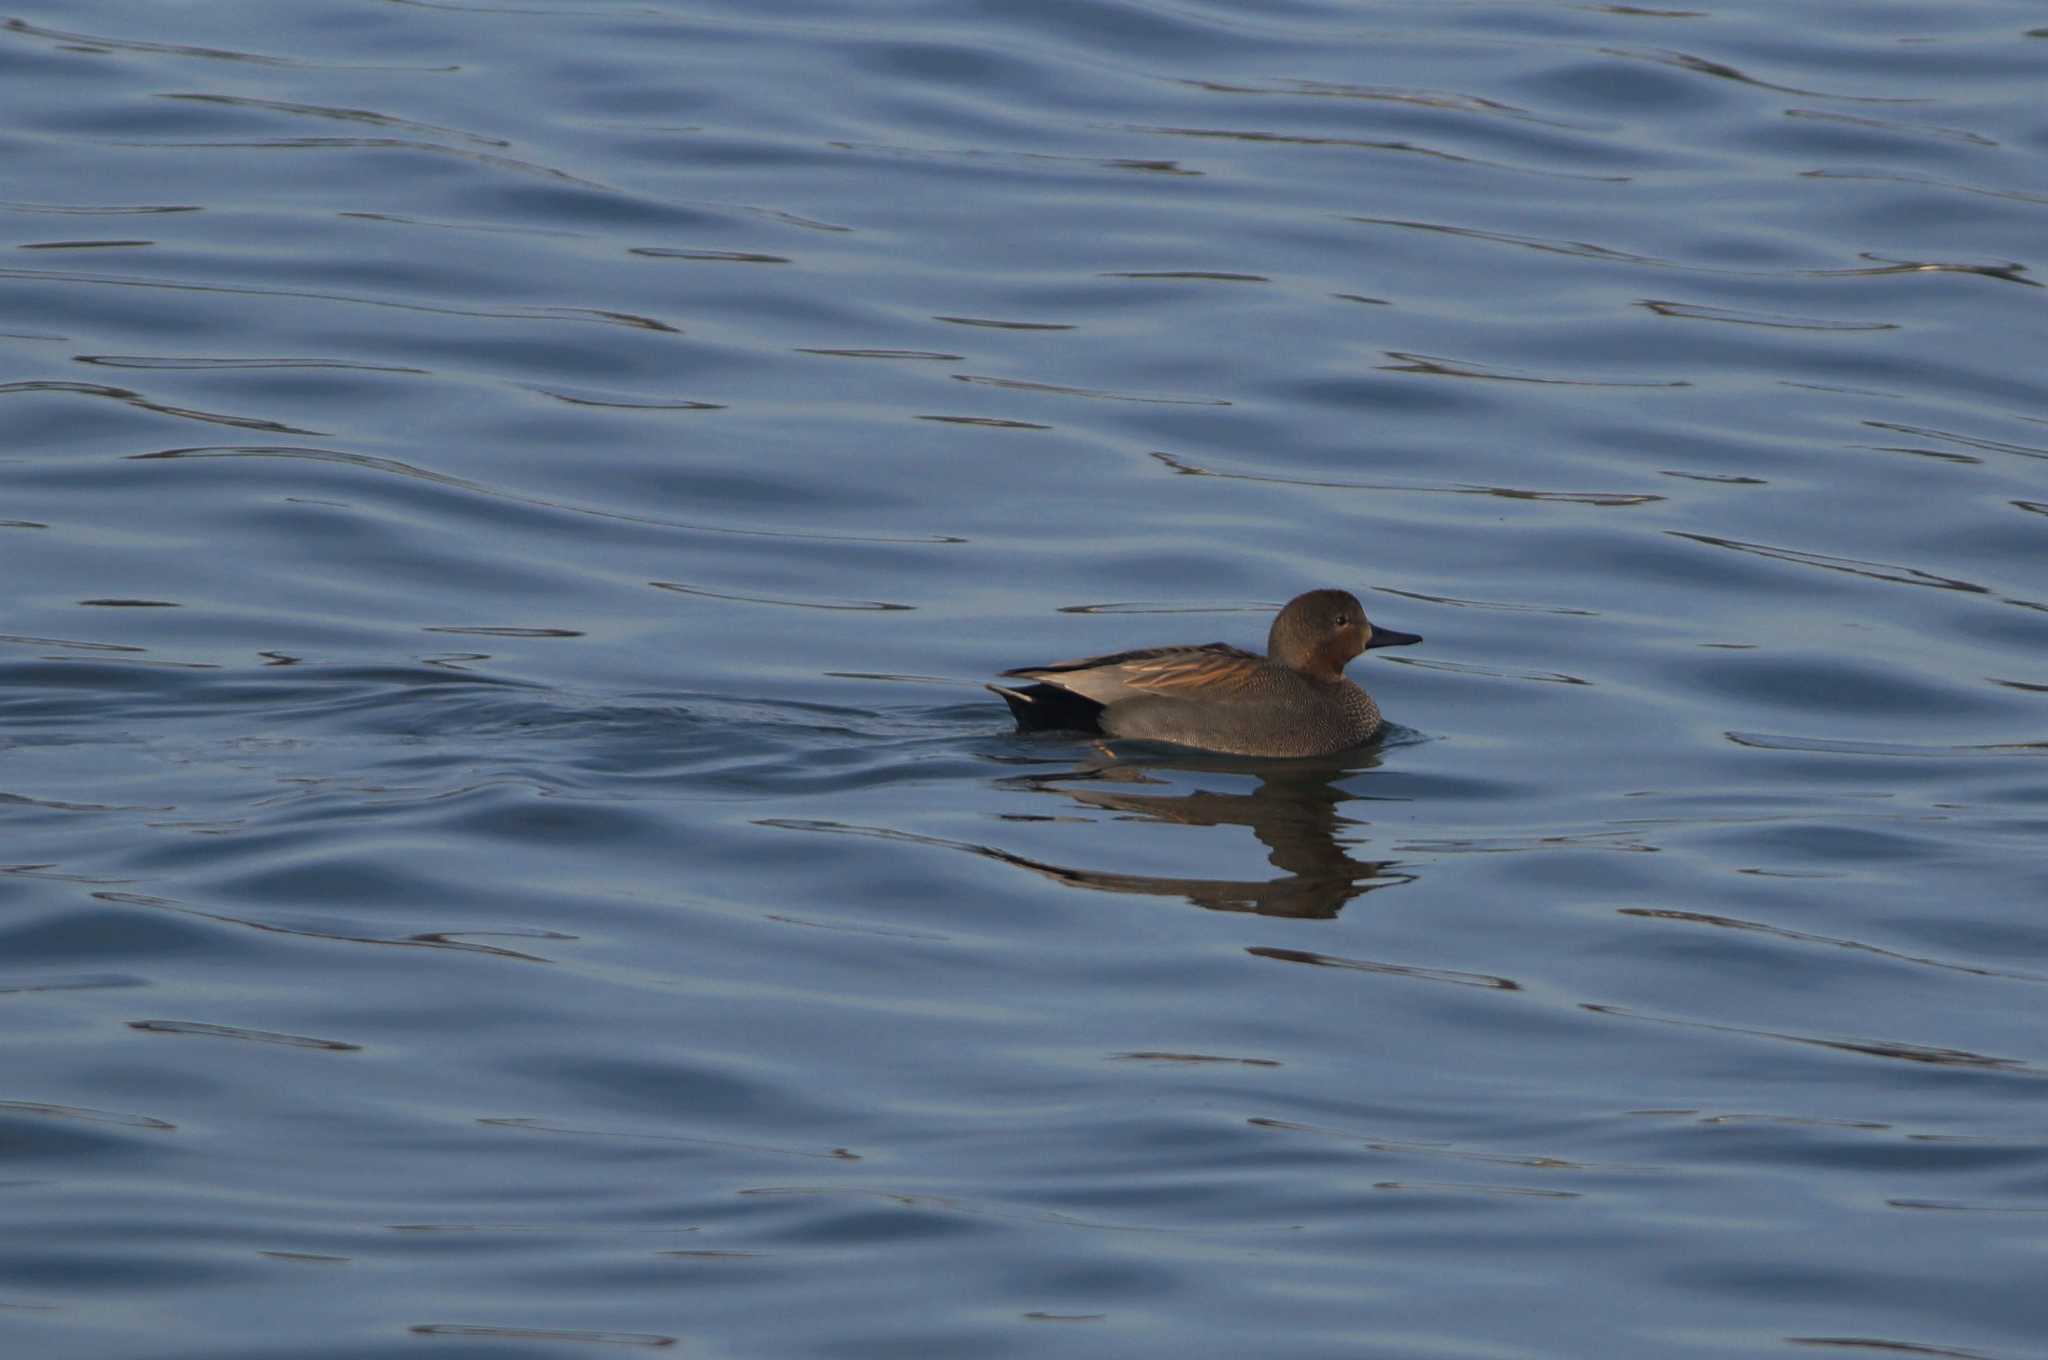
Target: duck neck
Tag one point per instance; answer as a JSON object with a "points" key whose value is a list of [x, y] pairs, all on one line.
{"points": [[1325, 665]]}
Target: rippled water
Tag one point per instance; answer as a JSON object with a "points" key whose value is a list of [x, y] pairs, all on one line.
{"points": [[507, 510]]}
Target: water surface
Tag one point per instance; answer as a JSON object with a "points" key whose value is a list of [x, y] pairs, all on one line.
{"points": [[508, 509]]}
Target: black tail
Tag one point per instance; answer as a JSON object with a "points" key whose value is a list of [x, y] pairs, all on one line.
{"points": [[1048, 708]]}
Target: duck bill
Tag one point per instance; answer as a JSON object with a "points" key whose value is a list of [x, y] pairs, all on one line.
{"points": [[1388, 637]]}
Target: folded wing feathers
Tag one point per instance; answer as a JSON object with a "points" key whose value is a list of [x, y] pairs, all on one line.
{"points": [[1216, 669]]}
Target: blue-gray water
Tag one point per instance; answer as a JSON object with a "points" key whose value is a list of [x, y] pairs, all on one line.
{"points": [[505, 511]]}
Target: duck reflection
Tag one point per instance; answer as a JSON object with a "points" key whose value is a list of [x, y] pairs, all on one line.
{"points": [[1292, 809]]}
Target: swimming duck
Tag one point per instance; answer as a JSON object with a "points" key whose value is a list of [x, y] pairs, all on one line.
{"points": [[1293, 701]]}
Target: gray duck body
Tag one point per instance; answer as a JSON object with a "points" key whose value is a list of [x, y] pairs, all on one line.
{"points": [[1293, 701]]}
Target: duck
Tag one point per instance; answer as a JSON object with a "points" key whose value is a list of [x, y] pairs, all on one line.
{"points": [[1293, 701]]}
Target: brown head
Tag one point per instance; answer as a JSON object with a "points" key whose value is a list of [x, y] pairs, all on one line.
{"points": [[1318, 633]]}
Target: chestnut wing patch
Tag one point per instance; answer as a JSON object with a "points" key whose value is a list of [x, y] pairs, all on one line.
{"points": [[1216, 670]]}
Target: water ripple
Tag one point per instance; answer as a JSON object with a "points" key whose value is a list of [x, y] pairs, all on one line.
{"points": [[394, 467], [1605, 499], [94, 43]]}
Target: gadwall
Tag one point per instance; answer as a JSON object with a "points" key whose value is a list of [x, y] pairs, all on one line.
{"points": [[1293, 701]]}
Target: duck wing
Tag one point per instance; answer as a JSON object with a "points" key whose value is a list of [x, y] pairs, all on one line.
{"points": [[1214, 671]]}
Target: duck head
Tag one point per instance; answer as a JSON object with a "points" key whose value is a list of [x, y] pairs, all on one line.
{"points": [[1320, 632]]}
